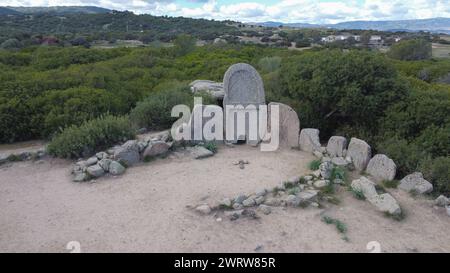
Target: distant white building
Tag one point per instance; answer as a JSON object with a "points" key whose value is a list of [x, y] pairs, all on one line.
{"points": [[343, 37]]}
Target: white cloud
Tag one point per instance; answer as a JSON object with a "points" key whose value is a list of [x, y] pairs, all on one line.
{"points": [[288, 11]]}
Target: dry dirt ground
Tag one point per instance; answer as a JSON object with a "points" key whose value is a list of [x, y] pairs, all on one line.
{"points": [[145, 210]]}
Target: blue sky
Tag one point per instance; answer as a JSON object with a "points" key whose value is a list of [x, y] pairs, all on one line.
{"points": [[288, 11]]}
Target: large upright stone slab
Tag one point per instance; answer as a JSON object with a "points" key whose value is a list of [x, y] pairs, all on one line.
{"points": [[243, 86], [244, 92], [360, 152], [289, 125]]}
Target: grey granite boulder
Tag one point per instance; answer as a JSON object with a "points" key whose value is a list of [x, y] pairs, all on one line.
{"points": [[128, 153], [95, 171], [115, 168], [156, 148], [416, 183], [309, 140], [381, 168], [336, 146], [360, 153]]}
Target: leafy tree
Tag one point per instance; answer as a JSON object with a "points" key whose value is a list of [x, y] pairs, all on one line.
{"points": [[410, 50], [11, 44], [332, 88], [184, 44]]}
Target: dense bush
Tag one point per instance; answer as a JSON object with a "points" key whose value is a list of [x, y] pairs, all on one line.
{"points": [[154, 112], [90, 137], [45, 88], [437, 170], [333, 88], [409, 50]]}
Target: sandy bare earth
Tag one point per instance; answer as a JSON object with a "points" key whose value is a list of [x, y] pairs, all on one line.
{"points": [[145, 210]]}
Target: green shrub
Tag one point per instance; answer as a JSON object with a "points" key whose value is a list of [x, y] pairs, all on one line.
{"points": [[212, 146], [154, 112], [437, 171], [409, 50], [332, 87], [90, 137], [269, 64], [314, 165]]}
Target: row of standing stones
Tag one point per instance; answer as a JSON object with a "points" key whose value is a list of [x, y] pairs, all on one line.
{"points": [[116, 159], [303, 191]]}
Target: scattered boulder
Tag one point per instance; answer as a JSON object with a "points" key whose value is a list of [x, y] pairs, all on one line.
{"points": [[259, 200], [95, 171], [80, 177], [309, 140], [336, 146], [226, 202], [199, 152], [308, 196], [101, 155], [271, 201], [203, 209], [339, 161], [386, 203], [261, 193], [381, 168], [325, 169], [215, 89], [234, 215], [364, 185], [442, 201], [383, 202], [250, 214], [415, 182], [265, 209], [321, 183], [91, 161], [249, 202], [318, 154], [104, 163], [292, 201], [360, 152], [156, 148], [128, 153], [115, 168], [240, 198]]}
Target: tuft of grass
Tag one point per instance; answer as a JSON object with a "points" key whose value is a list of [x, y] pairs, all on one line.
{"points": [[414, 193], [288, 185], [123, 163], [390, 184], [358, 194], [212, 146], [13, 158], [334, 200], [380, 189], [339, 173], [148, 159], [293, 190], [340, 226], [314, 165]]}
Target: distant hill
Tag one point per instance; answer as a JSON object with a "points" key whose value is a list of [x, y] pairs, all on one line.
{"points": [[8, 11], [431, 25], [60, 10]]}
